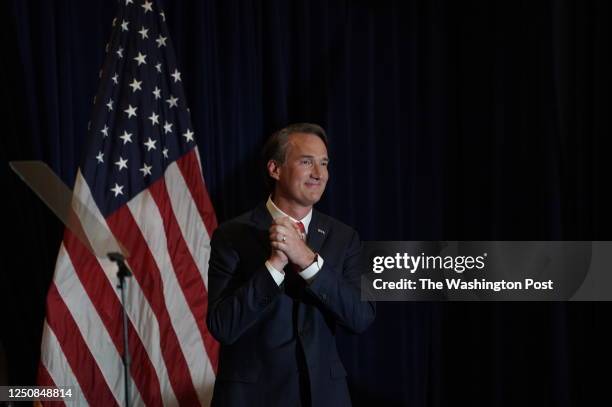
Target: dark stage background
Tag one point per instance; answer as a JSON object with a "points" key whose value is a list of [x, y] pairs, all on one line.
{"points": [[448, 120]]}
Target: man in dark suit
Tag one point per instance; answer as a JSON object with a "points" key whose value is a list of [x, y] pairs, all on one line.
{"points": [[282, 278]]}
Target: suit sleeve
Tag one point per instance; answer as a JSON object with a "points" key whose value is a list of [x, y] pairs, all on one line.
{"points": [[234, 304], [340, 293]]}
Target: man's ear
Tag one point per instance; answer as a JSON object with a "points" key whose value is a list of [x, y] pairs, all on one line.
{"points": [[274, 169]]}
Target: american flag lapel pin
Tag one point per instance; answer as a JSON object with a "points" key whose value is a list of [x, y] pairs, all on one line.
{"points": [[321, 231]]}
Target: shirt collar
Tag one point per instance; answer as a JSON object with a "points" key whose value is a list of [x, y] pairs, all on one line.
{"points": [[277, 213]]}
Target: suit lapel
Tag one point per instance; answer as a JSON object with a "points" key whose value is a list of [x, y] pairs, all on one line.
{"points": [[317, 231], [262, 220]]}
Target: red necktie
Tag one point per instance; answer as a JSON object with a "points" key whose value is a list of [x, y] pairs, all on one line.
{"points": [[300, 226]]}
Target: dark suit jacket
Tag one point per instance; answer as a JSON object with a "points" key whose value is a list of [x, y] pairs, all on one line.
{"points": [[278, 344]]}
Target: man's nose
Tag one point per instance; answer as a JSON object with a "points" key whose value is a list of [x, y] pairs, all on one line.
{"points": [[316, 172]]}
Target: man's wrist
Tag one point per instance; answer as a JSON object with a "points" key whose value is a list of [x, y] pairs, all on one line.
{"points": [[277, 275], [277, 263], [309, 273], [309, 258]]}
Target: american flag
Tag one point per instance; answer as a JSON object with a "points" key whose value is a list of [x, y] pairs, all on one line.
{"points": [[142, 174]]}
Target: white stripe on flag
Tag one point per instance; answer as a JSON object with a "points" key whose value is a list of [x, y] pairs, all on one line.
{"points": [[189, 220], [59, 369], [198, 242]]}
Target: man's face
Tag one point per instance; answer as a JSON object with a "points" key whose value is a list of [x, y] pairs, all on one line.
{"points": [[301, 179]]}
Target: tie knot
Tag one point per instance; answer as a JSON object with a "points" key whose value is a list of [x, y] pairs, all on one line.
{"points": [[302, 229]]}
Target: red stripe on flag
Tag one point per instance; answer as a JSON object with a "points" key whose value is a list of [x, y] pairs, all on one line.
{"points": [[190, 168], [101, 293], [186, 270], [85, 369], [145, 270], [44, 379]]}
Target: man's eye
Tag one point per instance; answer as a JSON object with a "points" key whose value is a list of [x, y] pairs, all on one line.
{"points": [[306, 162]]}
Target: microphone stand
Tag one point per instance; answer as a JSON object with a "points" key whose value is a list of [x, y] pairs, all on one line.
{"points": [[122, 273]]}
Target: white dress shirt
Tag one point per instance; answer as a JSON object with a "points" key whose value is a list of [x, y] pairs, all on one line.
{"points": [[309, 272]]}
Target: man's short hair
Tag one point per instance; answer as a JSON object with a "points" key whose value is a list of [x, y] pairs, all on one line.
{"points": [[276, 146]]}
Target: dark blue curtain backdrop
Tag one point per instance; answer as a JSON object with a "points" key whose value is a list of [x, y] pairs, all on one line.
{"points": [[448, 120]]}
